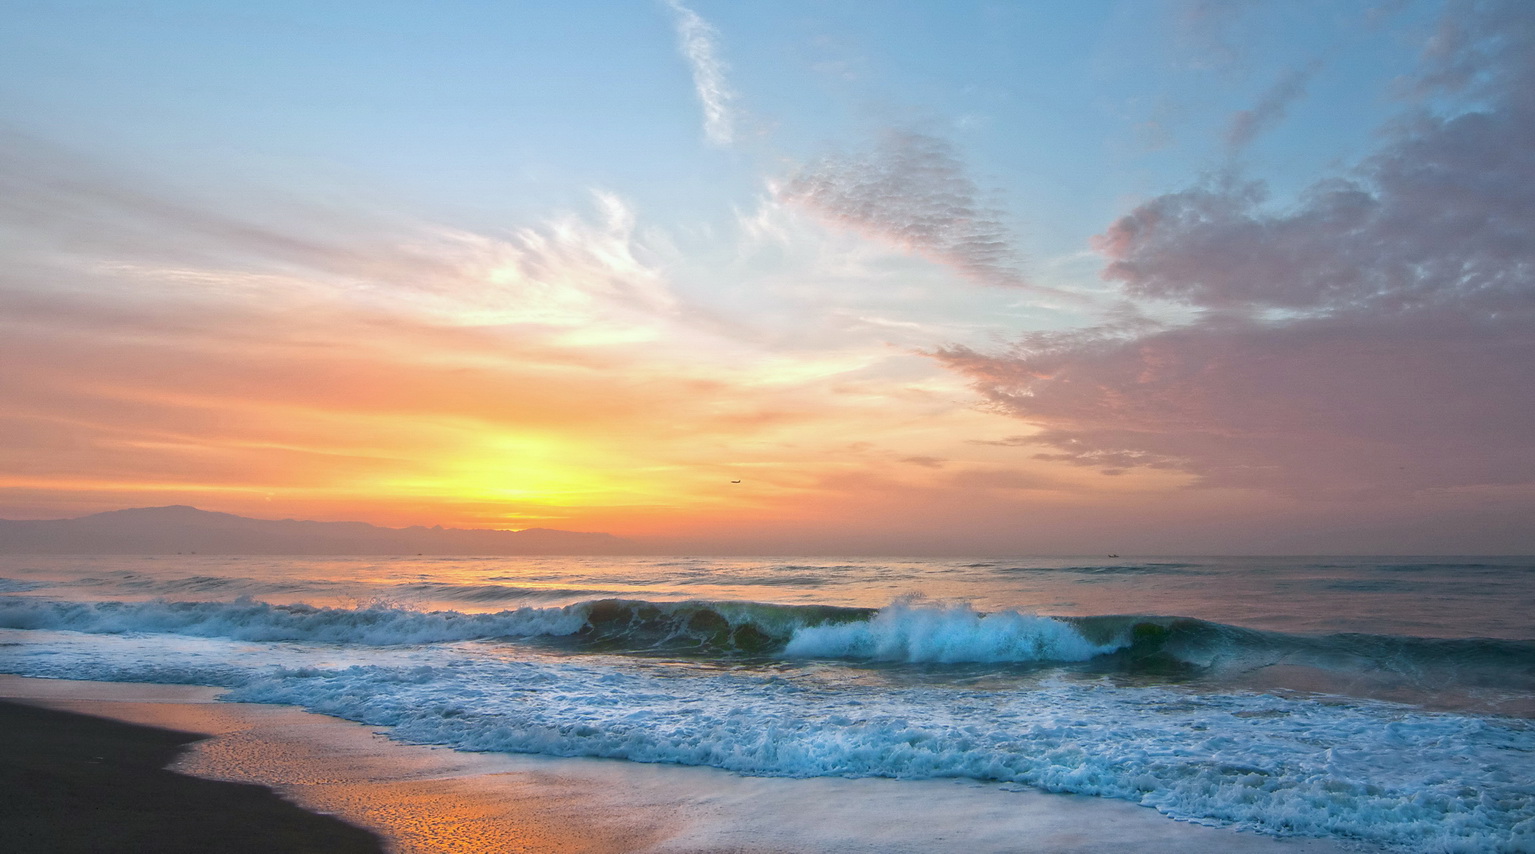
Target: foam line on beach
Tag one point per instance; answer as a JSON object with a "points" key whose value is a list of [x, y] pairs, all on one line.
{"points": [[428, 801]]}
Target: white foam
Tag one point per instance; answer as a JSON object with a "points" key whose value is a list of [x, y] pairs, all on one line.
{"points": [[1377, 773], [947, 634], [903, 631]]}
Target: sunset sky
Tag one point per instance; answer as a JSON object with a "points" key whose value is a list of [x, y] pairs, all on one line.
{"points": [[925, 277]]}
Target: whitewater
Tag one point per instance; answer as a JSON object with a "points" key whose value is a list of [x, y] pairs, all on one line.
{"points": [[1387, 704]]}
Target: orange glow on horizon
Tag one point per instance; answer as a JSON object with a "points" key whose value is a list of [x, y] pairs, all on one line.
{"points": [[548, 381]]}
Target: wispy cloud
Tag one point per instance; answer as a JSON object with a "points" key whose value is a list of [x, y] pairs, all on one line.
{"points": [[699, 47], [1210, 28], [1246, 125], [160, 347], [912, 191], [124, 236]]}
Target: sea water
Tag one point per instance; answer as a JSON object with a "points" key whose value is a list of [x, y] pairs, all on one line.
{"points": [[1385, 703]]}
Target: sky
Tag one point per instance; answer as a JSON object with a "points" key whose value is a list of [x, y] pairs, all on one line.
{"points": [[1133, 276]]}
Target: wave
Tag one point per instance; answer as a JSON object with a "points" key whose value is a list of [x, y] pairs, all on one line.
{"points": [[905, 632], [249, 620], [949, 635], [1369, 773], [1373, 773]]}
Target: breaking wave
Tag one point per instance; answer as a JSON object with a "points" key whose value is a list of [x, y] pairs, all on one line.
{"points": [[907, 631], [916, 689], [1380, 774]]}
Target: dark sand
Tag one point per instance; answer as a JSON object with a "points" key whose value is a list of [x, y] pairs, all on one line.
{"points": [[78, 783]]}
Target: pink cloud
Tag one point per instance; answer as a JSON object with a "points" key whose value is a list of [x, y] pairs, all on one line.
{"points": [[1379, 335], [1403, 401]]}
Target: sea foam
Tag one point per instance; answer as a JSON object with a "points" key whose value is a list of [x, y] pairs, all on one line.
{"points": [[1377, 773], [904, 631], [947, 634]]}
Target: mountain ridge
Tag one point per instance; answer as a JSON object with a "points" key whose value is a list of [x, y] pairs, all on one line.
{"points": [[181, 529]]}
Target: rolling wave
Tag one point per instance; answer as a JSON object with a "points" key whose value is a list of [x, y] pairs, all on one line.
{"points": [[908, 631], [888, 692], [1378, 774]]}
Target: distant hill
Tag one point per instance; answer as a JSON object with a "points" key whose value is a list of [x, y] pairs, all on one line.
{"points": [[184, 530]]}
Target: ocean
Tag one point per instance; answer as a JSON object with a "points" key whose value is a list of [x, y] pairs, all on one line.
{"points": [[1384, 703]]}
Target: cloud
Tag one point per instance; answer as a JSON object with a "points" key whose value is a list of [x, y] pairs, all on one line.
{"points": [[569, 271], [1376, 336], [73, 222], [698, 45], [162, 346], [998, 479], [1245, 125], [913, 192], [1209, 28], [53, 199], [1335, 404]]}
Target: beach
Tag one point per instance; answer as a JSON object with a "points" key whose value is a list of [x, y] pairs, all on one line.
{"points": [[76, 783], [778, 428], [865, 705], [420, 799]]}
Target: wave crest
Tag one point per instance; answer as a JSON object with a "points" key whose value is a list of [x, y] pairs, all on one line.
{"points": [[948, 634], [907, 631]]}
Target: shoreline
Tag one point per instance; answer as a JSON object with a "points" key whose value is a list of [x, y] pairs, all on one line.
{"points": [[81, 783], [426, 800], [417, 800]]}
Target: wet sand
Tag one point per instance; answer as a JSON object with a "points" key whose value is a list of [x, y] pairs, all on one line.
{"points": [[433, 800], [75, 783]]}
